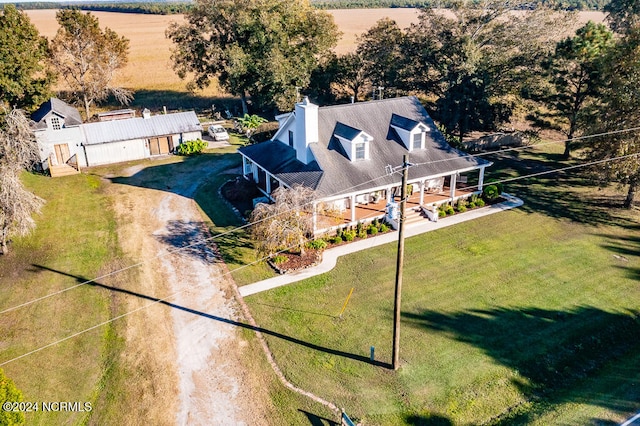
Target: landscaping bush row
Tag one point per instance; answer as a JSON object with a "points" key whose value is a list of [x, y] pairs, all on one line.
{"points": [[360, 231]]}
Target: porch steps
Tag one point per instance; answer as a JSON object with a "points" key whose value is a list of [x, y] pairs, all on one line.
{"points": [[414, 215], [62, 170]]}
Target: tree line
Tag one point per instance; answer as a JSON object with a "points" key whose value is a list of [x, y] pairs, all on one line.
{"points": [[180, 7]]}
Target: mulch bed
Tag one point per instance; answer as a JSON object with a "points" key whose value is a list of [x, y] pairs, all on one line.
{"points": [[297, 262]]}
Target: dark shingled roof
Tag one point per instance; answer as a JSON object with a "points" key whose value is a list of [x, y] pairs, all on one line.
{"points": [[346, 132], [339, 175], [280, 160], [54, 105], [403, 122]]}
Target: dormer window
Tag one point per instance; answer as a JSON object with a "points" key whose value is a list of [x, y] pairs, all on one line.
{"points": [[355, 142], [417, 140], [55, 123], [411, 132]]}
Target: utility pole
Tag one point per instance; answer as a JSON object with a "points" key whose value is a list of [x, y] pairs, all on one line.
{"points": [[399, 265]]}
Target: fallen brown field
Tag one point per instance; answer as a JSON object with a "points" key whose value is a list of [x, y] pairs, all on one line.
{"points": [[150, 65]]}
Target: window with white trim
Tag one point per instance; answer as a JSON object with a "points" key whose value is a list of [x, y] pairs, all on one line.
{"points": [[360, 151], [417, 140], [55, 123], [290, 138]]}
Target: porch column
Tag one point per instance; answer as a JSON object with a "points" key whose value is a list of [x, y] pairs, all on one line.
{"points": [[267, 182], [421, 192], [353, 208], [389, 198], [254, 169], [452, 185], [481, 179], [244, 165]]}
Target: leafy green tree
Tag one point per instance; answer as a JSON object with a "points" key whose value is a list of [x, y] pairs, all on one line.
{"points": [[255, 48], [476, 61], [25, 79], [9, 393], [379, 54], [88, 57], [623, 15], [574, 72], [619, 111], [351, 74], [251, 122]]}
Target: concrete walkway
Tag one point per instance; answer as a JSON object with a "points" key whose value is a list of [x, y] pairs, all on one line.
{"points": [[330, 257]]}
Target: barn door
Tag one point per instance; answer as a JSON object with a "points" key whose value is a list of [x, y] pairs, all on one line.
{"points": [[164, 144], [154, 146], [62, 153]]}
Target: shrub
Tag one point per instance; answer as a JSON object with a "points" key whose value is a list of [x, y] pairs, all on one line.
{"points": [[317, 244], [490, 192], [373, 230], [339, 233], [362, 234], [376, 223], [499, 186], [349, 235], [472, 204], [384, 227], [279, 259], [441, 213], [359, 228], [480, 202], [336, 240], [461, 206], [191, 147], [449, 209]]}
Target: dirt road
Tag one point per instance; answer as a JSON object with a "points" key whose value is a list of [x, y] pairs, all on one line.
{"points": [[194, 364]]}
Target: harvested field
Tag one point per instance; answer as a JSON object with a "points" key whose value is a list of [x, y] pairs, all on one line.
{"points": [[150, 67]]}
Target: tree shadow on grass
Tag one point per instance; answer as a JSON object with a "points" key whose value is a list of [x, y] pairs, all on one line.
{"points": [[315, 420], [626, 250], [80, 279], [559, 194], [552, 350]]}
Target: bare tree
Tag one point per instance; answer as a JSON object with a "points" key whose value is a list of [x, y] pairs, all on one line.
{"points": [[88, 58], [18, 150], [285, 223]]}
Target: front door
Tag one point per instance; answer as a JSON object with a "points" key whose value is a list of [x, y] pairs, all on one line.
{"points": [[62, 153]]}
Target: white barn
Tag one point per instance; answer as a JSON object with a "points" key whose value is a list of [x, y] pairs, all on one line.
{"points": [[66, 144]]}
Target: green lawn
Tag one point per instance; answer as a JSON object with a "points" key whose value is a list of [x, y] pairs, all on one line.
{"points": [[524, 317], [75, 240]]}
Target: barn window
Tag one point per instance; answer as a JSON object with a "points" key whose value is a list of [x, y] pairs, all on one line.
{"points": [[55, 123]]}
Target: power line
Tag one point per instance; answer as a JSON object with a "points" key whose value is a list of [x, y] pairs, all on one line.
{"points": [[392, 170], [163, 300]]}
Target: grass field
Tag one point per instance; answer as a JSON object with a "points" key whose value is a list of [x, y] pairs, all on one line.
{"points": [[75, 238], [524, 317]]}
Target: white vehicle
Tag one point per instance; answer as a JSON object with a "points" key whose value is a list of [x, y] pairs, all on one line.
{"points": [[218, 133]]}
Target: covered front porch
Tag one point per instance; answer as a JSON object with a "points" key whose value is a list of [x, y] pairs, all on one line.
{"points": [[364, 207]]}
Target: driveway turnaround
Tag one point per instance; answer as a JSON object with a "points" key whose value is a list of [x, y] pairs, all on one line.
{"points": [[330, 257]]}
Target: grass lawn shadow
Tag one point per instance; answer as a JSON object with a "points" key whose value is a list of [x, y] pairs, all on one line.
{"points": [[555, 352], [562, 194]]}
